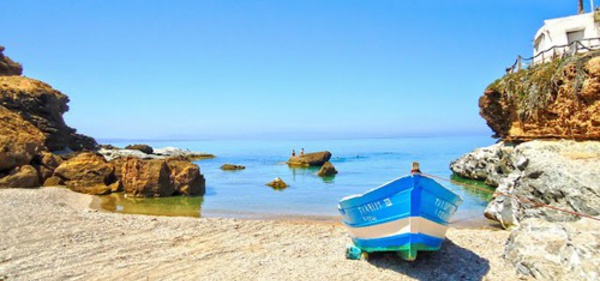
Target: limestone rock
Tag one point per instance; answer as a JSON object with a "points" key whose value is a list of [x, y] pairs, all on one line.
{"points": [[87, 173], [141, 147], [24, 177], [564, 174], [53, 181], [19, 140], [8, 66], [327, 170], [42, 106], [277, 183], [556, 251], [185, 177], [232, 167], [310, 159], [146, 178], [489, 163]]}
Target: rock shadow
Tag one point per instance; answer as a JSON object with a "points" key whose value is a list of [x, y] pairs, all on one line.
{"points": [[452, 262]]}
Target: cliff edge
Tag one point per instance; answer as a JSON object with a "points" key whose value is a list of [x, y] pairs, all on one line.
{"points": [[556, 100]]}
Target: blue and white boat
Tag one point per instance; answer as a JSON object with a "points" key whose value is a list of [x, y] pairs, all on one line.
{"points": [[406, 215]]}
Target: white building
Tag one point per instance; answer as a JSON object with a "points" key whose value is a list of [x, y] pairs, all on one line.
{"points": [[557, 36]]}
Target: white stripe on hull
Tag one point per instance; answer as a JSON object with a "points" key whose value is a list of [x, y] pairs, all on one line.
{"points": [[398, 227]]}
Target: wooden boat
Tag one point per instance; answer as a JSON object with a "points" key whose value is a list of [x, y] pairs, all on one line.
{"points": [[406, 215]]}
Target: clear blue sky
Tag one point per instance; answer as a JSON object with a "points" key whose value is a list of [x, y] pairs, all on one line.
{"points": [[252, 69]]}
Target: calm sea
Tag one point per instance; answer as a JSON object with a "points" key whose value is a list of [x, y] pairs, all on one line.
{"points": [[362, 164]]}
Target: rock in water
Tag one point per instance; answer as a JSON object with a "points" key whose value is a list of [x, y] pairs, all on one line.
{"points": [[556, 251], [310, 159], [327, 170], [87, 173], [232, 167], [146, 178], [278, 183], [141, 147], [186, 177]]}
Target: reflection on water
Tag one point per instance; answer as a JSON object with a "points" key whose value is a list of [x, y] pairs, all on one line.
{"points": [[161, 206], [474, 188]]}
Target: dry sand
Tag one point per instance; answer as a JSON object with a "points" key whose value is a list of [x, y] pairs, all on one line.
{"points": [[53, 234]]}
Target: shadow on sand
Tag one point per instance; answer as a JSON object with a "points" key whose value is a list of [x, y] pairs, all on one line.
{"points": [[452, 262]]}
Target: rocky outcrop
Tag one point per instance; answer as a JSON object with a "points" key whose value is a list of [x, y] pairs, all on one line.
{"points": [[327, 170], [170, 151], [564, 174], [7, 66], [20, 141], [232, 167], [560, 99], [556, 251], [42, 106], [141, 147], [310, 159], [277, 183], [185, 177], [53, 181], [87, 173]]}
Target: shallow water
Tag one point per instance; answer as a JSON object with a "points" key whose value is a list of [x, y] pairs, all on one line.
{"points": [[362, 164]]}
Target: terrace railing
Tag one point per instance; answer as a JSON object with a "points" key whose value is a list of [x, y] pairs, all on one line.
{"points": [[579, 46]]}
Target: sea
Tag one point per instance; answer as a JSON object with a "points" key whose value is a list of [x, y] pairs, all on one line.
{"points": [[362, 164]]}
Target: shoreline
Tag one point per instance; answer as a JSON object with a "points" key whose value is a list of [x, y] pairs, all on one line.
{"points": [[54, 234]]}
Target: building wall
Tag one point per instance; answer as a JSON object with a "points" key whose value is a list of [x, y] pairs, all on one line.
{"points": [[554, 33]]}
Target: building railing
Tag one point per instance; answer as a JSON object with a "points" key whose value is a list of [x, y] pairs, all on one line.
{"points": [[579, 46]]}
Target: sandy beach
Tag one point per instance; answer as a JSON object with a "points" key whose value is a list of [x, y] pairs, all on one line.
{"points": [[56, 234]]}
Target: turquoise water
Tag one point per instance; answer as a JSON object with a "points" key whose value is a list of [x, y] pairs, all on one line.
{"points": [[362, 164]]}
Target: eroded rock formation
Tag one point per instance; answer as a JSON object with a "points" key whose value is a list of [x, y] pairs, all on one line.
{"points": [[560, 99], [310, 159], [232, 167], [8, 66], [327, 170]]}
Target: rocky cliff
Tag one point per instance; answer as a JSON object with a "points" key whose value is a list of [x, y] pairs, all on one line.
{"points": [[32, 127], [548, 119], [555, 100]]}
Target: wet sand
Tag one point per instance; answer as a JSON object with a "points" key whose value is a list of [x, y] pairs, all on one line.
{"points": [[56, 234]]}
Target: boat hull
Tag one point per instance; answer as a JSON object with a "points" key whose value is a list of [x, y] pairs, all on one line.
{"points": [[406, 215]]}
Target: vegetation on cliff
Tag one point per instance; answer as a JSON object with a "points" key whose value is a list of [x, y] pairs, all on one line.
{"points": [[559, 99]]}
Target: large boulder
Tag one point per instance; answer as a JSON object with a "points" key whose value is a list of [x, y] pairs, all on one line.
{"points": [[141, 147], [87, 173], [327, 170], [185, 177], [490, 164], [8, 66], [564, 174], [24, 177], [310, 159], [42, 106], [232, 167], [556, 251], [45, 163], [146, 178], [19, 140]]}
